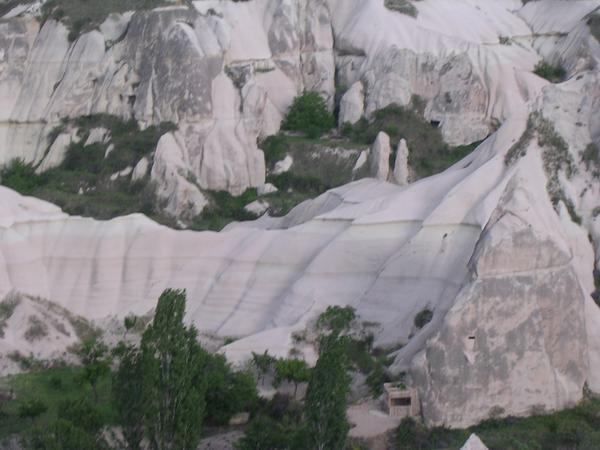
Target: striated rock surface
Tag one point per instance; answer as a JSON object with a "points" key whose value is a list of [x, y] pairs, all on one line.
{"points": [[501, 247]]}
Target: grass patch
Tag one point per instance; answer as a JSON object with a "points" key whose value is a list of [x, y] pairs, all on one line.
{"points": [[51, 387], [575, 428], [224, 208], [552, 73], [81, 16]]}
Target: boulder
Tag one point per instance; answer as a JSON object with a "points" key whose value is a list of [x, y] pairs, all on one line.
{"points": [[352, 104], [474, 443]]}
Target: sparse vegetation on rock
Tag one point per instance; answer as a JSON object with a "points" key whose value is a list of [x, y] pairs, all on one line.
{"points": [[552, 73], [423, 318], [81, 16], [402, 6], [84, 184]]}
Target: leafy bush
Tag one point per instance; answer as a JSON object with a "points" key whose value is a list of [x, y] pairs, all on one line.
{"points": [[224, 208], [20, 177], [227, 392], [263, 432], [309, 115], [412, 435], [423, 318], [303, 183], [274, 148], [294, 371], [554, 74]]}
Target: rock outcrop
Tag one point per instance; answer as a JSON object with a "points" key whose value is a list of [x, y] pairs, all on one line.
{"points": [[379, 156], [401, 171]]}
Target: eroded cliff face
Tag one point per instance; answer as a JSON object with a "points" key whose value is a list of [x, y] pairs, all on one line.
{"points": [[501, 246], [226, 72]]}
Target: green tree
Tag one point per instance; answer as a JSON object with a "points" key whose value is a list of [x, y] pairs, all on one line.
{"points": [[95, 358], [263, 364], [326, 422], [127, 392], [172, 386], [337, 319], [293, 371], [309, 115]]}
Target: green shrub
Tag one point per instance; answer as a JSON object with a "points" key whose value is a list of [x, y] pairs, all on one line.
{"points": [[554, 74], [309, 115], [423, 318], [20, 177], [224, 208], [82, 414], [412, 435], [302, 183], [274, 148], [227, 391]]}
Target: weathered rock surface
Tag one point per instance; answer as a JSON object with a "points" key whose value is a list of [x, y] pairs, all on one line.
{"points": [[496, 246], [379, 156], [474, 443], [401, 171]]}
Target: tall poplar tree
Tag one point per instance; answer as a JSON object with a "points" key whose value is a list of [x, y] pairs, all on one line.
{"points": [[325, 407], [173, 389]]}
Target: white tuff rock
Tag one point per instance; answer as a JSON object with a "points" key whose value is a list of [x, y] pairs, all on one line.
{"points": [[400, 175], [380, 157]]}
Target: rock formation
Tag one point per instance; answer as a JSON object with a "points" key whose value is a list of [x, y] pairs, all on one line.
{"points": [[501, 246], [379, 156], [401, 174]]}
